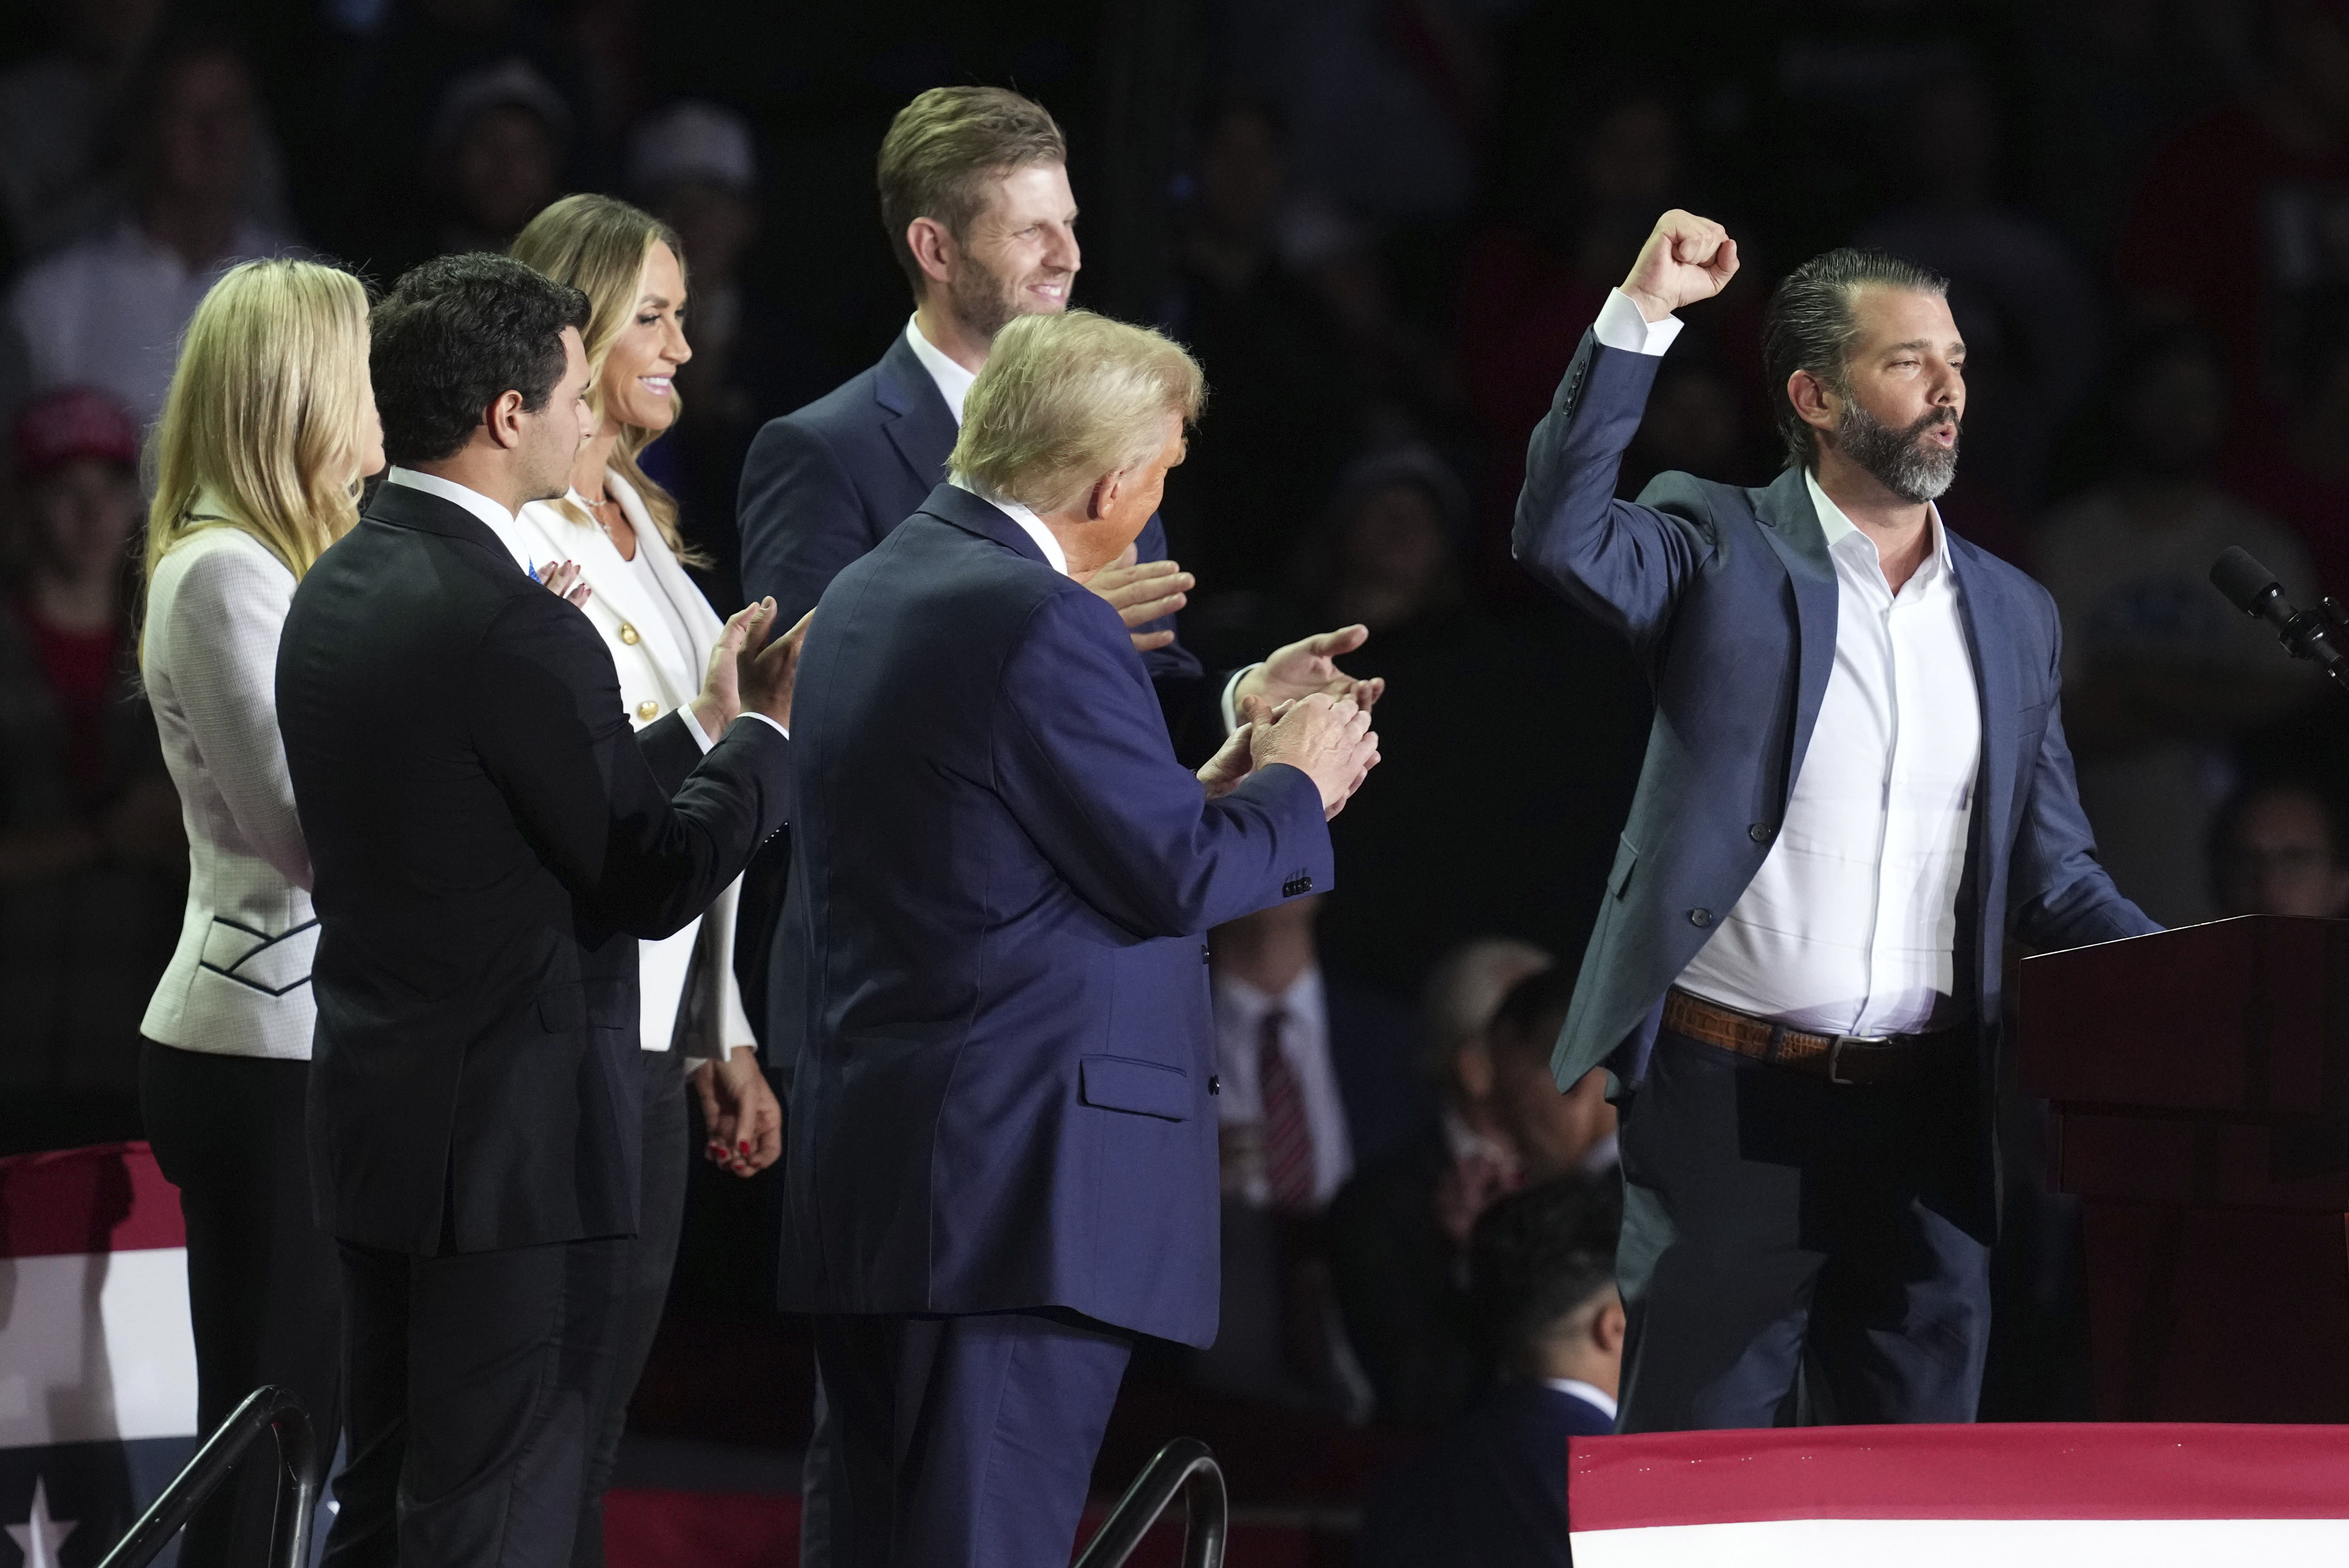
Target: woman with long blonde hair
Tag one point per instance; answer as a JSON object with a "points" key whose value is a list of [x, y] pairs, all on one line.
{"points": [[621, 528], [269, 427]]}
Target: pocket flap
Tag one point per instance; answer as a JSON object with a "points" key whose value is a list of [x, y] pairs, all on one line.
{"points": [[1627, 859], [1120, 1083]]}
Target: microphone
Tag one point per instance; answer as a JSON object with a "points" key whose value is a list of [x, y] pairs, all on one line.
{"points": [[2253, 590]]}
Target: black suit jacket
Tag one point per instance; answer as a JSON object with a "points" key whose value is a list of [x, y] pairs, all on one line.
{"points": [[490, 840]]}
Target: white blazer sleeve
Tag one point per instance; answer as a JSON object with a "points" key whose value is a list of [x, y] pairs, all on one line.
{"points": [[224, 625]]}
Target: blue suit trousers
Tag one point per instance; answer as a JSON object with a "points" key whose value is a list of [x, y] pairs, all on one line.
{"points": [[961, 1441]]}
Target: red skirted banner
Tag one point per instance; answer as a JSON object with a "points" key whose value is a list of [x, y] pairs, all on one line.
{"points": [[2017, 1496]]}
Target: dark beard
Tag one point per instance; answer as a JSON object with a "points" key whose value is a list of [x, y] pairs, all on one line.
{"points": [[985, 298], [1912, 472]]}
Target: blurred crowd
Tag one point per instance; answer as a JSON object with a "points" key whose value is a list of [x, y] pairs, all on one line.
{"points": [[1385, 226]]}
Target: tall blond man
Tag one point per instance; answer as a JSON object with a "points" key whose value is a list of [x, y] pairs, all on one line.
{"points": [[1001, 1160]]}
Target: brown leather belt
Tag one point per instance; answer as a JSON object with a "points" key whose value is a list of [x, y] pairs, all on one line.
{"points": [[1838, 1059]]}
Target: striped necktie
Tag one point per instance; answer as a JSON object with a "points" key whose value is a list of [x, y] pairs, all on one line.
{"points": [[1288, 1139]]}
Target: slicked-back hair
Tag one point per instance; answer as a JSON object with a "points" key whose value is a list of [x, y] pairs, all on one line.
{"points": [[1537, 1257], [1811, 326], [942, 149], [1068, 399], [453, 336]]}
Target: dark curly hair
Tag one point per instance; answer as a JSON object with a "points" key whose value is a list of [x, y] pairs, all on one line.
{"points": [[454, 336], [1537, 1257]]}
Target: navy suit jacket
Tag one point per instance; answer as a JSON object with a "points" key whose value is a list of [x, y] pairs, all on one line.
{"points": [[1490, 1493], [824, 485], [990, 978], [1728, 599]]}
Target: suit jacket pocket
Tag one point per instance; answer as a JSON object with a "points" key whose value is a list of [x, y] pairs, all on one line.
{"points": [[1627, 858], [1145, 1088]]}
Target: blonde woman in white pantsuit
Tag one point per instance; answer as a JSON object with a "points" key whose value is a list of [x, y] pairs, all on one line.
{"points": [[620, 528]]}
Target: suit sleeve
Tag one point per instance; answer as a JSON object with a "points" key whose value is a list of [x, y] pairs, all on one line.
{"points": [[800, 518], [1624, 563], [1083, 763], [548, 725], [2058, 894], [225, 622]]}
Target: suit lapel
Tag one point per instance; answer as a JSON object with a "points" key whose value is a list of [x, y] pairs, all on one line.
{"points": [[1996, 680], [921, 427], [1791, 524]]}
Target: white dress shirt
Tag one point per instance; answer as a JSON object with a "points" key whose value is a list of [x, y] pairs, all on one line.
{"points": [[1239, 1010], [952, 380], [239, 982], [1029, 523], [1850, 925], [659, 631]]}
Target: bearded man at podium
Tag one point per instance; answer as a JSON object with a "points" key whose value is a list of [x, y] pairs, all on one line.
{"points": [[1855, 789]]}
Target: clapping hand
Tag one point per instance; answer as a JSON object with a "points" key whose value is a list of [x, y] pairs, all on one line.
{"points": [[1310, 669], [1686, 259], [1141, 594], [746, 671], [1329, 740], [1228, 767]]}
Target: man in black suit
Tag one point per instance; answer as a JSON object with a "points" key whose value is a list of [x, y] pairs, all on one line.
{"points": [[490, 841], [1491, 1491]]}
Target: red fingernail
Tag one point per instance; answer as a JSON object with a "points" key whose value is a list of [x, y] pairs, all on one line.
{"points": [[744, 1146]]}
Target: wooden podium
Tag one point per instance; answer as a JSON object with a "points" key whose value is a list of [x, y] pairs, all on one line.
{"points": [[2199, 1079]]}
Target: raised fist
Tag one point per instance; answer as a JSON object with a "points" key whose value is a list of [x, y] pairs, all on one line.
{"points": [[1686, 259]]}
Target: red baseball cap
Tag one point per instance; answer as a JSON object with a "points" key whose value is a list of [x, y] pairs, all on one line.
{"points": [[69, 424]]}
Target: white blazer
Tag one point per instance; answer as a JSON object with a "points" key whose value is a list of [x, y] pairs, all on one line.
{"points": [[239, 983], [656, 675]]}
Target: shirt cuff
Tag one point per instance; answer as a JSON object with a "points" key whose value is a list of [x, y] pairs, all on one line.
{"points": [[693, 726], [1232, 697], [1621, 327]]}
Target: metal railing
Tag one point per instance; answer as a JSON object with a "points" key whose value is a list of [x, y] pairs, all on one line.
{"points": [[1185, 1465], [269, 1409]]}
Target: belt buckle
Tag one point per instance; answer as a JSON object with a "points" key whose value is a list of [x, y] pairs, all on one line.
{"points": [[1834, 1056]]}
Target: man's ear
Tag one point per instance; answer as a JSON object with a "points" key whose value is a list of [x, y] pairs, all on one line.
{"points": [[1103, 496], [1816, 403], [1607, 1328], [503, 420], [934, 248]]}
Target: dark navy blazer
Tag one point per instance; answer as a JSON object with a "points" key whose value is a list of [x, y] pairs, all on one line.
{"points": [[993, 985], [1728, 598], [1490, 1493], [824, 484]]}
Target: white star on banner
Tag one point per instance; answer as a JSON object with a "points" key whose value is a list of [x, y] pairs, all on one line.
{"points": [[40, 1536]]}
